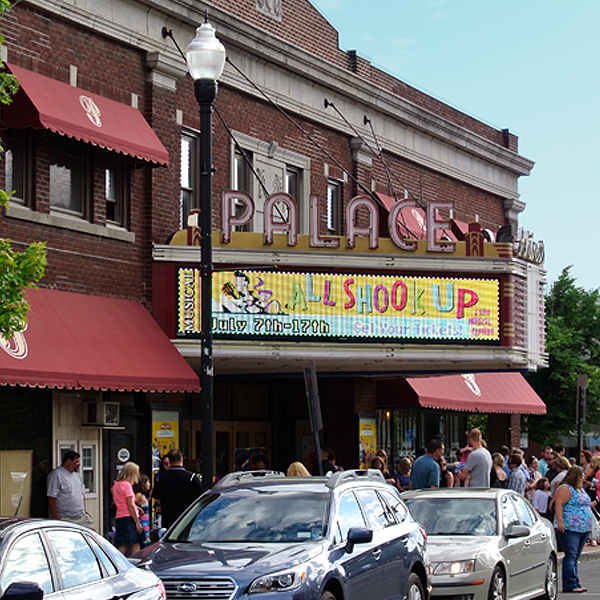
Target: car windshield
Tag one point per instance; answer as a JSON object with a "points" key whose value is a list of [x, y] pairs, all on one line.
{"points": [[455, 516], [254, 515]]}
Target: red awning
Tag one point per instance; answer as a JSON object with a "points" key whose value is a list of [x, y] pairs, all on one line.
{"points": [[413, 221], [45, 103], [92, 342], [507, 393]]}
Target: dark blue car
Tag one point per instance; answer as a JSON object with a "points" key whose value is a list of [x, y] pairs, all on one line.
{"points": [[265, 536]]}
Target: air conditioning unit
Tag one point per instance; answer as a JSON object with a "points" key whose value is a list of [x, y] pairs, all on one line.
{"points": [[101, 413]]}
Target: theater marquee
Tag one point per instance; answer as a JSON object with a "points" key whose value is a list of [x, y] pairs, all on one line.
{"points": [[258, 305]]}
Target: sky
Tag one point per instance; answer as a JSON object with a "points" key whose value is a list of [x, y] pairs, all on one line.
{"points": [[530, 66]]}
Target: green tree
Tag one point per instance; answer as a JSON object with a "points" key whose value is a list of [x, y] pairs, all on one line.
{"points": [[573, 346], [18, 270]]}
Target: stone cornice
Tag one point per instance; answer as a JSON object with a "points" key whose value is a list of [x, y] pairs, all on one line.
{"points": [[141, 27]]}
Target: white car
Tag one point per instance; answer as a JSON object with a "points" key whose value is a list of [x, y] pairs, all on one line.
{"points": [[486, 544]]}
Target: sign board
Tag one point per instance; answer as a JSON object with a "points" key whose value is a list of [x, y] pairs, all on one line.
{"points": [[266, 304]]}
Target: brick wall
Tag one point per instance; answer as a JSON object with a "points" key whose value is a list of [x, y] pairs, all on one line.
{"points": [[80, 261]]}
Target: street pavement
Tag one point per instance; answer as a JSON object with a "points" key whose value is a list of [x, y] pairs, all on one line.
{"points": [[588, 574]]}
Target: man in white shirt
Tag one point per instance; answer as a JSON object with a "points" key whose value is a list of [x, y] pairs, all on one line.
{"points": [[66, 492], [479, 463]]}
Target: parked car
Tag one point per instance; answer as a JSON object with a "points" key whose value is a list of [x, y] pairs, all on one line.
{"points": [[263, 535], [486, 544], [55, 559]]}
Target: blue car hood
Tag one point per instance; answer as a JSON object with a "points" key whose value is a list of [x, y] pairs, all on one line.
{"points": [[175, 560]]}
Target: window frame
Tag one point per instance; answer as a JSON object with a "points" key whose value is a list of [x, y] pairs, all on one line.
{"points": [[118, 165], [24, 138], [67, 150], [192, 189], [93, 446], [333, 206], [283, 159]]}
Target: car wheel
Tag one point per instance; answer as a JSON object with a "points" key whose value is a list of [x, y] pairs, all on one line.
{"points": [[497, 585], [326, 595], [551, 582], [415, 588]]}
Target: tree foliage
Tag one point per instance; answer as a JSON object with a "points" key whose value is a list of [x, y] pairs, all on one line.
{"points": [[573, 346], [18, 270]]}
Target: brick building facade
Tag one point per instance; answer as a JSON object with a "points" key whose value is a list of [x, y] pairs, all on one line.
{"points": [[304, 114]]}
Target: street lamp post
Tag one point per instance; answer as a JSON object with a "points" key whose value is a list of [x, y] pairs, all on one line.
{"points": [[206, 59]]}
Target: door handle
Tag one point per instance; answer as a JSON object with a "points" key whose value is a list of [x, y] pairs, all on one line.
{"points": [[377, 554]]}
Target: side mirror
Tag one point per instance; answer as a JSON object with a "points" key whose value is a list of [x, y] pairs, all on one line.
{"points": [[517, 531], [23, 590], [358, 535]]}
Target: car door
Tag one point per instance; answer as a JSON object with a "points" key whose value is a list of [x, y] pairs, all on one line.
{"points": [[361, 566], [517, 558], [401, 545], [391, 543], [81, 576], [26, 560], [538, 542]]}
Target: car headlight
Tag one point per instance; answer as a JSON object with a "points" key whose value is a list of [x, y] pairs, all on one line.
{"points": [[454, 568], [281, 581]]}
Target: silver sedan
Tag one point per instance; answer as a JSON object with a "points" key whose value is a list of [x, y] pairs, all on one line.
{"points": [[486, 544]]}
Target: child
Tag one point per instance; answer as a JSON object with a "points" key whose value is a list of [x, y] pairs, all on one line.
{"points": [[142, 490], [541, 496]]}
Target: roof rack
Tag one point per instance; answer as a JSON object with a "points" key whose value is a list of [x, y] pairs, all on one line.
{"points": [[248, 477], [341, 477]]}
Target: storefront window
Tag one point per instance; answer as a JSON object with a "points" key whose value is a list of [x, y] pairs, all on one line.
{"points": [[411, 430]]}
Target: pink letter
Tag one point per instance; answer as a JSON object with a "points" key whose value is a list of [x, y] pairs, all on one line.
{"points": [[433, 225], [228, 220], [393, 217], [373, 228], [462, 304], [290, 227]]}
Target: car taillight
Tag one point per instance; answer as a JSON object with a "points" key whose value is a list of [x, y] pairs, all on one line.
{"points": [[423, 532], [161, 589]]}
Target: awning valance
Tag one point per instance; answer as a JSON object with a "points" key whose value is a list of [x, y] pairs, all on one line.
{"points": [[76, 341], [507, 393], [45, 103]]}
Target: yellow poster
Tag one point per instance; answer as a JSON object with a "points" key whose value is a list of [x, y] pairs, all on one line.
{"points": [[165, 437], [367, 441]]}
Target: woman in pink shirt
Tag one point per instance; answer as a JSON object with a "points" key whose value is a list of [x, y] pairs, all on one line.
{"points": [[129, 527]]}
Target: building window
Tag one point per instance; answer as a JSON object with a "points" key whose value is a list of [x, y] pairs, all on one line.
{"points": [[16, 161], [334, 208], [14, 169], [292, 188], [88, 468], [115, 194], [188, 177], [242, 182], [62, 447], [67, 178]]}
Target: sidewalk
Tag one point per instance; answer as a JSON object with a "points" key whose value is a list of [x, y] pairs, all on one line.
{"points": [[589, 553]]}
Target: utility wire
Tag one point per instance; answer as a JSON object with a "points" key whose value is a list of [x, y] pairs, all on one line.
{"points": [[305, 133], [379, 154], [244, 155], [168, 33]]}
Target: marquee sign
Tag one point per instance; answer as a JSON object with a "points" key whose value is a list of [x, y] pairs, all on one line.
{"points": [[255, 304]]}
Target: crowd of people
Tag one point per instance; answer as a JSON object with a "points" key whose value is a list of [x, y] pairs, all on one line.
{"points": [[558, 488]]}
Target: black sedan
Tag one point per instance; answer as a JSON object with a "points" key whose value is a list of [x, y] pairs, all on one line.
{"points": [[56, 559]]}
